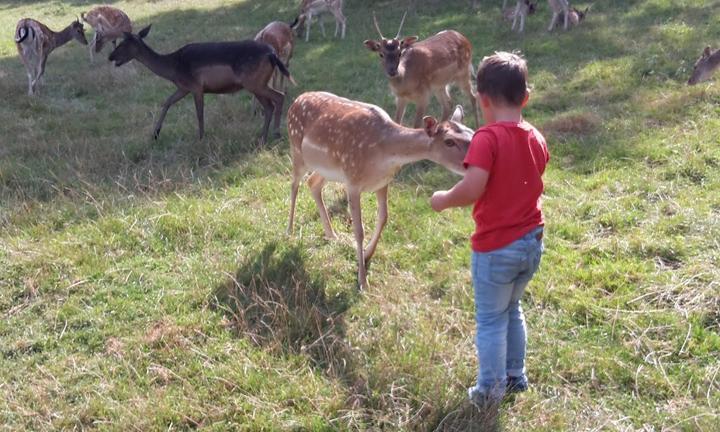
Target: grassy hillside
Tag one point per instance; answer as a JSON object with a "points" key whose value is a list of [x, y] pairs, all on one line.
{"points": [[150, 285]]}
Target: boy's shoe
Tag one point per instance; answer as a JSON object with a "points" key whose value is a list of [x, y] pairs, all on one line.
{"points": [[516, 384]]}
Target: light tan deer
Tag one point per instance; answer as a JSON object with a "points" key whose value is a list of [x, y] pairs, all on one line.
{"points": [[109, 23], [35, 41], [519, 13], [417, 70], [359, 145], [310, 8], [279, 35], [559, 8], [705, 66]]}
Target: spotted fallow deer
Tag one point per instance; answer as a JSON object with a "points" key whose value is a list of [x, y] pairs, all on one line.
{"points": [[311, 8], [359, 145], [417, 70], [705, 66], [210, 67], [109, 23], [35, 41]]}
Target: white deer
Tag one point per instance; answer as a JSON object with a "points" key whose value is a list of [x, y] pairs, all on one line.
{"points": [[359, 145], [310, 8]]}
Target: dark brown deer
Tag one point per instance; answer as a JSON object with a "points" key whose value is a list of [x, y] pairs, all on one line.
{"points": [[417, 70], [35, 41], [705, 66], [212, 67], [360, 146], [109, 23]]}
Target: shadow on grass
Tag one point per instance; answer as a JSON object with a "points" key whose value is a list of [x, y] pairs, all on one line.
{"points": [[276, 303]]}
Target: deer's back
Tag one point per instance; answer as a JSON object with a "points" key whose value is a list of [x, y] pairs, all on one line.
{"points": [[101, 17], [234, 54]]}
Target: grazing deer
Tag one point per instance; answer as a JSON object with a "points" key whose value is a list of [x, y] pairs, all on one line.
{"points": [[310, 8], [705, 66], [576, 16], [35, 41], [418, 69], [559, 8], [519, 13], [212, 67], [109, 23], [360, 146], [279, 35]]}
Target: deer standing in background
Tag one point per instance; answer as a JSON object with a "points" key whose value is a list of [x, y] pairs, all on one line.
{"points": [[211, 67], [559, 8], [109, 23], [705, 66], [35, 41], [359, 145], [519, 13], [310, 8], [279, 35], [416, 70]]}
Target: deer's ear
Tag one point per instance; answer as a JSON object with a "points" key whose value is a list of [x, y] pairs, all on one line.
{"points": [[144, 32], [406, 42], [430, 124], [706, 52], [372, 45], [458, 115]]}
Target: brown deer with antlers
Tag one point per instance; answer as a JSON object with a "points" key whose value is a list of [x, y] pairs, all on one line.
{"points": [[359, 145], [35, 41], [109, 23], [417, 70]]}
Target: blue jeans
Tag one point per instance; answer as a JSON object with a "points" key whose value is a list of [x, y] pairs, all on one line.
{"points": [[500, 277]]}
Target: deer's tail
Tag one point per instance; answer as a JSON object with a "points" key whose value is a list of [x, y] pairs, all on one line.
{"points": [[22, 34], [275, 60]]}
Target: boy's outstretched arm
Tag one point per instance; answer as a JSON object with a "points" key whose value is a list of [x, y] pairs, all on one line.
{"points": [[464, 193]]}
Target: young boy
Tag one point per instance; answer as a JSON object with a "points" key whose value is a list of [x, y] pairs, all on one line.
{"points": [[505, 163]]}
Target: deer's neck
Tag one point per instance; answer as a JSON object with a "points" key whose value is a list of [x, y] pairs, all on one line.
{"points": [[62, 37], [408, 145], [161, 65]]}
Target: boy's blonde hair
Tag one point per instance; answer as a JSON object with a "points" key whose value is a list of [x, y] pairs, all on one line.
{"points": [[503, 77]]}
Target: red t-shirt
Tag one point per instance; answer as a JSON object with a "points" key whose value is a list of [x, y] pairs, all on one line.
{"points": [[515, 155]]}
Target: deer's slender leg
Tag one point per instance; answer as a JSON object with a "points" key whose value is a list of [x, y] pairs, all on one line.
{"points": [[466, 87], [308, 22], [420, 108], [179, 94], [200, 112], [267, 114], [321, 21], [356, 213], [275, 100], [554, 19], [92, 47], [315, 183], [382, 216], [298, 171], [400, 110], [443, 96]]}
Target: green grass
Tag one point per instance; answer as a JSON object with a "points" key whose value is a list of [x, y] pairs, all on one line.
{"points": [[150, 285]]}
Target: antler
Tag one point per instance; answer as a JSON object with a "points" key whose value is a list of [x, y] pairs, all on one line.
{"points": [[401, 25], [377, 27]]}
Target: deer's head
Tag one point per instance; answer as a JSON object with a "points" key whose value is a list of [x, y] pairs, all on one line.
{"points": [[450, 140], [703, 68], [78, 32], [390, 50], [129, 48]]}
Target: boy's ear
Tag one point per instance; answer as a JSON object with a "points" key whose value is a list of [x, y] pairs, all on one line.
{"points": [[430, 124], [525, 101]]}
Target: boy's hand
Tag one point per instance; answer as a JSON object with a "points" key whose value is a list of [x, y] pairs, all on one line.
{"points": [[437, 201]]}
